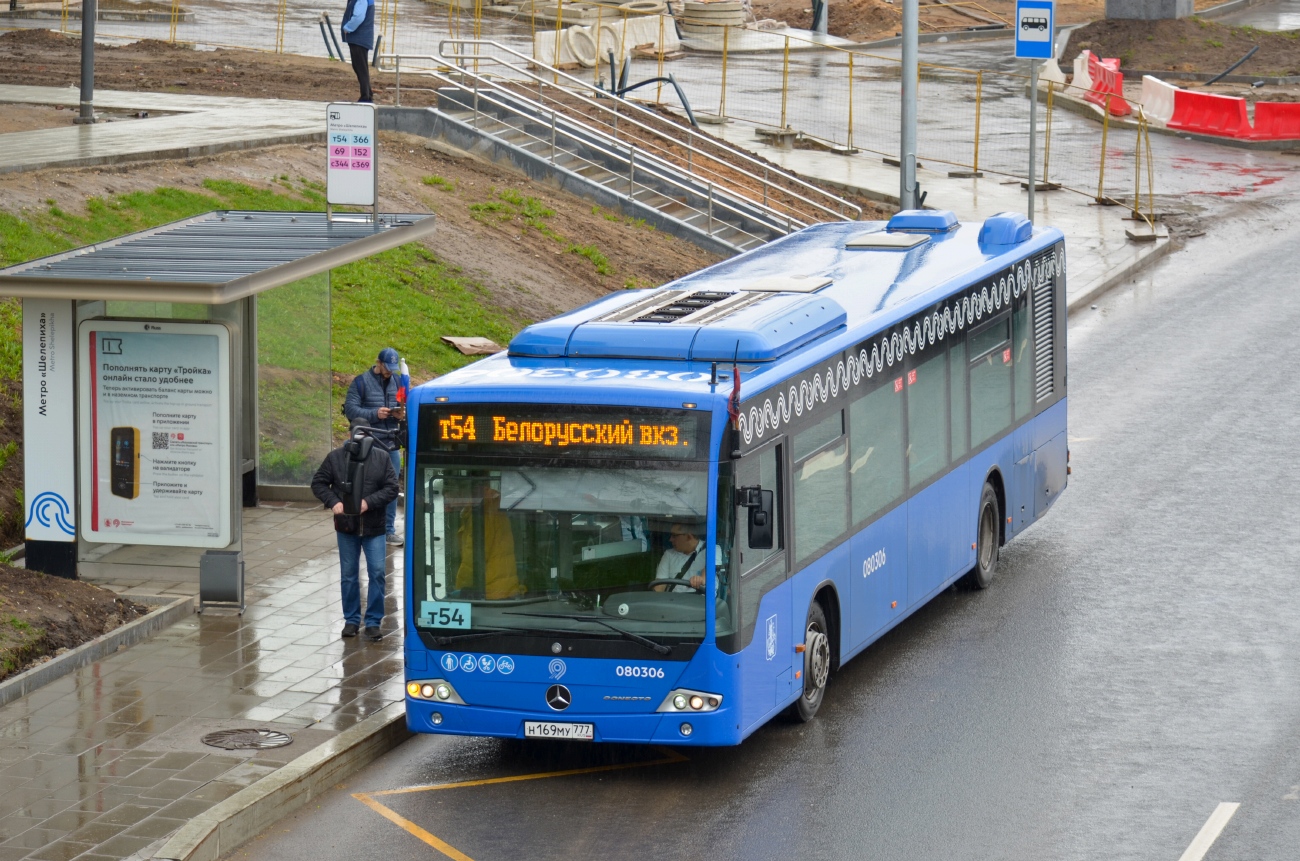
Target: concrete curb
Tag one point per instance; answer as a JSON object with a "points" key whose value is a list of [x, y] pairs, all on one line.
{"points": [[252, 810], [101, 647], [169, 153], [1114, 279]]}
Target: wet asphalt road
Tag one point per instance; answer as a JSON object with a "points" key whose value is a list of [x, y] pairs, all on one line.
{"points": [[1134, 664]]}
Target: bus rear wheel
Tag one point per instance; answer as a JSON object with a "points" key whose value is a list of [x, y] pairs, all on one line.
{"points": [[988, 539], [816, 664]]}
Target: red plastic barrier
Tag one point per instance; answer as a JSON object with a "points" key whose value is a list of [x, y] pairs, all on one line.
{"points": [[1275, 121], [1210, 114], [1107, 86]]}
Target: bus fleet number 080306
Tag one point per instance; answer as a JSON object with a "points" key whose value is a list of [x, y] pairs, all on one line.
{"points": [[640, 672]]}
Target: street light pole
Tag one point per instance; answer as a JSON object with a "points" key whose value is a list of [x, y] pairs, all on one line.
{"points": [[907, 130], [89, 12]]}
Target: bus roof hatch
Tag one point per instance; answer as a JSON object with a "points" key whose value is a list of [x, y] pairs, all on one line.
{"points": [[687, 325]]}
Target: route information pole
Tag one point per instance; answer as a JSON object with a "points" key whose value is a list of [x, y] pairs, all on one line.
{"points": [[1035, 27], [89, 12], [907, 114]]}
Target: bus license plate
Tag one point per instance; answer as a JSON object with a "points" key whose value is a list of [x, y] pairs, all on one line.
{"points": [[547, 729]]}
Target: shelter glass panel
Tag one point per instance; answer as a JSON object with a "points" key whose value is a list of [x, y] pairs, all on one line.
{"points": [[295, 399]]}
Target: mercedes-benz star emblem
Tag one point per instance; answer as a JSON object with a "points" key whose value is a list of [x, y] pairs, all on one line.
{"points": [[558, 697]]}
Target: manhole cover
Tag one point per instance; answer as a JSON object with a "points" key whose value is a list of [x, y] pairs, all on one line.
{"points": [[246, 739]]}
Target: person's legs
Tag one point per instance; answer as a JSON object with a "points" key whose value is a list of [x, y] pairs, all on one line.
{"points": [[349, 565], [361, 65], [374, 549], [390, 515]]}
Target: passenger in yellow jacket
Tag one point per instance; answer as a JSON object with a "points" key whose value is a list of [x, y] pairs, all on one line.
{"points": [[500, 575]]}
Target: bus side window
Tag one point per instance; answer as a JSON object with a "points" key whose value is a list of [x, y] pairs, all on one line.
{"points": [[876, 449], [957, 391], [1022, 358], [990, 381], [760, 570], [758, 470], [927, 419], [820, 486]]}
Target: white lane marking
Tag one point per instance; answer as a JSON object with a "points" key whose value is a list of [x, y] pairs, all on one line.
{"points": [[1210, 831]]}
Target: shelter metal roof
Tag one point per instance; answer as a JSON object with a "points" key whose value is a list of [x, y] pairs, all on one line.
{"points": [[212, 258]]}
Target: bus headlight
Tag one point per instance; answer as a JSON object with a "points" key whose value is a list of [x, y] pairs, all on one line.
{"points": [[436, 690], [683, 700]]}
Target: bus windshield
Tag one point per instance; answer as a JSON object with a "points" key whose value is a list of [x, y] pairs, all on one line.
{"points": [[588, 550]]}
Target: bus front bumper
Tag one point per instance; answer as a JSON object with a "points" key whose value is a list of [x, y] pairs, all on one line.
{"points": [[703, 729]]}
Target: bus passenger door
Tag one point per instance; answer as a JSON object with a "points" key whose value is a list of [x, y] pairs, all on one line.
{"points": [[763, 594]]}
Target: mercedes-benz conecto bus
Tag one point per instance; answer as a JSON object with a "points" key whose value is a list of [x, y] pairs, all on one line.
{"points": [[670, 515]]}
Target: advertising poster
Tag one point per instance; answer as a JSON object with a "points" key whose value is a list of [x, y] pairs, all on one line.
{"points": [[155, 432], [49, 480]]}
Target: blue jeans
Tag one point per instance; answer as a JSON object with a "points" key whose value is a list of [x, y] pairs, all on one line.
{"points": [[350, 549], [390, 516]]}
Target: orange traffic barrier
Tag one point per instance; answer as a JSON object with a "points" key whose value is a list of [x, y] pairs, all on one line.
{"points": [[1107, 85], [1277, 121], [1209, 114]]}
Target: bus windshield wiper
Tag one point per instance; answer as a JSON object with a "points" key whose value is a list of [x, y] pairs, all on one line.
{"points": [[658, 648], [447, 640]]}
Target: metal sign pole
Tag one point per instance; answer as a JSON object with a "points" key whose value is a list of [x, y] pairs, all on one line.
{"points": [[1035, 29], [1033, 130], [89, 12], [907, 114]]}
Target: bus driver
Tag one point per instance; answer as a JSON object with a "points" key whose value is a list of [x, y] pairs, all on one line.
{"points": [[683, 561]]}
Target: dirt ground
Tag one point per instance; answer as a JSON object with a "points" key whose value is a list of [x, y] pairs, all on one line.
{"points": [[53, 59], [44, 616], [1187, 45]]}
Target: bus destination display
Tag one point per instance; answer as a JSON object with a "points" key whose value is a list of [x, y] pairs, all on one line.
{"points": [[512, 429]]}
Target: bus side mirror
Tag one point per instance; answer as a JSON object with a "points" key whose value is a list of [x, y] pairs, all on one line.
{"points": [[761, 516]]}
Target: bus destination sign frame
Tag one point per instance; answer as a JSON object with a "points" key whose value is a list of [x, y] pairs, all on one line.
{"points": [[530, 430]]}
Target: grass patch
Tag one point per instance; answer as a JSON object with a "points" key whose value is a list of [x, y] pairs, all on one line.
{"points": [[439, 182], [592, 253]]}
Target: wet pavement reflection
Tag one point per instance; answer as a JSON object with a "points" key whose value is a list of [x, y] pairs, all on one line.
{"points": [[107, 761]]}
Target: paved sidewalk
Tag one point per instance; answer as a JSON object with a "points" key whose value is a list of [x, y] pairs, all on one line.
{"points": [[107, 762], [1099, 253], [190, 126]]}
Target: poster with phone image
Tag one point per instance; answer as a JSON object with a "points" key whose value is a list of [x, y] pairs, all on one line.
{"points": [[155, 433]]}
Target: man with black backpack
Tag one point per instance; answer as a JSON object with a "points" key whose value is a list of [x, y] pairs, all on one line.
{"points": [[357, 481]]}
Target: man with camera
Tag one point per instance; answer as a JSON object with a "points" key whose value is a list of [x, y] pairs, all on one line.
{"points": [[372, 401], [356, 481]]}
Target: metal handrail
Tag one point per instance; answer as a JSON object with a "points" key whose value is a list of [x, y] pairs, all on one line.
{"points": [[780, 222], [701, 140], [646, 164], [696, 143]]}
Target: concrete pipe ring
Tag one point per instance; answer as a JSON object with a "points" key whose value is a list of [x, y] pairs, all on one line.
{"points": [[611, 39], [647, 7], [583, 46]]}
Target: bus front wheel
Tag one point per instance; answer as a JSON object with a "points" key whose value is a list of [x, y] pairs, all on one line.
{"points": [[988, 539], [816, 664]]}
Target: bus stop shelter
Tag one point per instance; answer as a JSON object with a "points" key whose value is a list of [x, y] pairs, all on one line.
{"points": [[175, 375]]}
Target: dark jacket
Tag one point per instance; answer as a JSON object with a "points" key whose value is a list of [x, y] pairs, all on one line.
{"points": [[368, 392], [378, 488], [363, 33]]}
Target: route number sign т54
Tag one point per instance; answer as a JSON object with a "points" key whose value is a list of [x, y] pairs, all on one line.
{"points": [[1035, 24]]}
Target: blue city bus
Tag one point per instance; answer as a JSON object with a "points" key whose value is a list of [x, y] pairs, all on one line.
{"points": [[668, 516]]}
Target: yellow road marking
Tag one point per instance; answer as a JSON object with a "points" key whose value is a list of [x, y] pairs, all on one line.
{"points": [[410, 827], [670, 757]]}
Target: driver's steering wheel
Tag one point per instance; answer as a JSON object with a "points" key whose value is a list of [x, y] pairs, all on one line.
{"points": [[674, 581]]}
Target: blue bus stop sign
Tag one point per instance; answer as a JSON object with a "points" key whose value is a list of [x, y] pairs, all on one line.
{"points": [[1035, 23]]}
